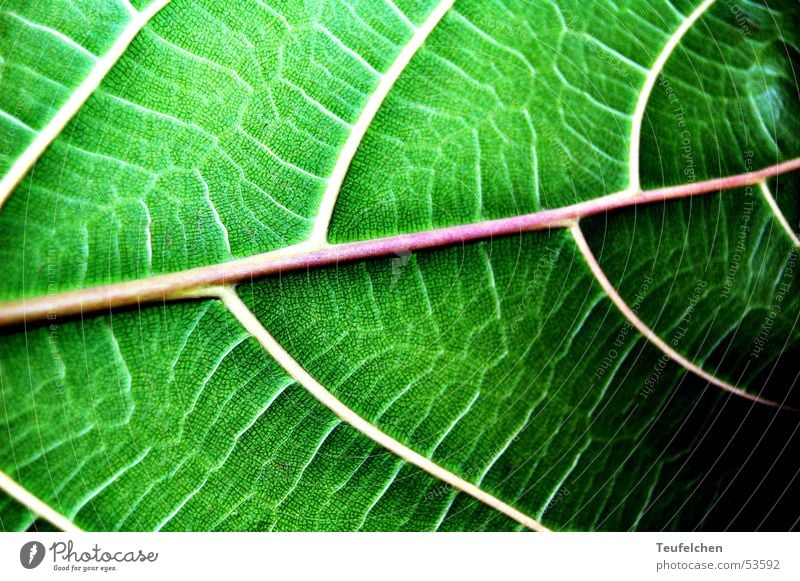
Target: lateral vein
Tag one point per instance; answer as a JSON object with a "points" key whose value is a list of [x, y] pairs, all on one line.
{"points": [[85, 90], [388, 79], [35, 504], [649, 334], [779, 215], [647, 90], [251, 323]]}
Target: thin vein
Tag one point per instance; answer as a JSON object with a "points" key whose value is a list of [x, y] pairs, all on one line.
{"points": [[56, 33], [401, 14]]}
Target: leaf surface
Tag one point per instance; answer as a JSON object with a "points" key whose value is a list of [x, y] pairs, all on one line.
{"points": [[626, 365]]}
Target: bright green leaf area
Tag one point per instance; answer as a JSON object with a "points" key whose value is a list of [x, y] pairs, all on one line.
{"points": [[503, 361], [45, 51]]}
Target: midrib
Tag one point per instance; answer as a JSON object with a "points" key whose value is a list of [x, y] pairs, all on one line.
{"points": [[180, 285]]}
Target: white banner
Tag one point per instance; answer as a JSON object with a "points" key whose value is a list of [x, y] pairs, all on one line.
{"points": [[228, 556]]}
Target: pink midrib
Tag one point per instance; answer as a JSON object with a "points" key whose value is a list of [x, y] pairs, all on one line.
{"points": [[174, 285]]}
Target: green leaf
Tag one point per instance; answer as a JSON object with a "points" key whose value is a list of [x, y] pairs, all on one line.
{"points": [[15, 517], [410, 265]]}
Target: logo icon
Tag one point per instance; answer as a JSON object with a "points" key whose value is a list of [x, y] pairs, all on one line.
{"points": [[402, 258], [31, 554]]}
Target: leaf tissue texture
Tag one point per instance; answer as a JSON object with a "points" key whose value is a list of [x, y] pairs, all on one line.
{"points": [[455, 265]]}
